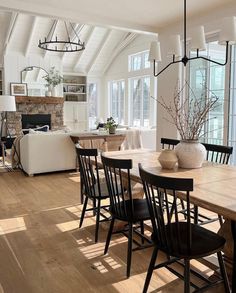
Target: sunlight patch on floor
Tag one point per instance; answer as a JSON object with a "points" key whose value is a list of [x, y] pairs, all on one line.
{"points": [[99, 267], [93, 251], [112, 263], [68, 226], [12, 225]]}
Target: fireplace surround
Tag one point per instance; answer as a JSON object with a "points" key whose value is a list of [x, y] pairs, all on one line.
{"points": [[52, 106]]}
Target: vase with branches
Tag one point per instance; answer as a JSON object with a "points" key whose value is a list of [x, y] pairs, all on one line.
{"points": [[53, 78], [189, 113]]}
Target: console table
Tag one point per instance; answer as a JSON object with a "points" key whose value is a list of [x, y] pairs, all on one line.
{"points": [[105, 142]]}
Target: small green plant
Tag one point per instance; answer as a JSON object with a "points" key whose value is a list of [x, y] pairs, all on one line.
{"points": [[53, 77], [111, 123]]}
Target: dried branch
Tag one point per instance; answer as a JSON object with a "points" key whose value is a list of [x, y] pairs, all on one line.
{"points": [[191, 113]]}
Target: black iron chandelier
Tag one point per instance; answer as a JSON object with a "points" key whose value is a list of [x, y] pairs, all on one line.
{"points": [[227, 36], [56, 44]]}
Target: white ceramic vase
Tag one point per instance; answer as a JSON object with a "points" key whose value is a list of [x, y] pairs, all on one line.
{"points": [[54, 91], [168, 159], [190, 153]]}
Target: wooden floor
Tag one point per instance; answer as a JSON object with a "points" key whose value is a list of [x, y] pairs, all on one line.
{"points": [[43, 251]]}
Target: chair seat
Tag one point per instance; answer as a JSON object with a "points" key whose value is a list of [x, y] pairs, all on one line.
{"points": [[140, 211], [203, 241]]}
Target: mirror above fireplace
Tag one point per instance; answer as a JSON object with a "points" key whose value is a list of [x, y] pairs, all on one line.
{"points": [[33, 76]]}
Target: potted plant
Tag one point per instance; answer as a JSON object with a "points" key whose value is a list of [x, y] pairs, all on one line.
{"points": [[53, 78], [189, 115], [111, 125]]}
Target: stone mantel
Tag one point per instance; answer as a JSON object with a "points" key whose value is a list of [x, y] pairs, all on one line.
{"points": [[36, 105], [39, 100]]}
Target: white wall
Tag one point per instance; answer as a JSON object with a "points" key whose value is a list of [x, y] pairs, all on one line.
{"points": [[14, 63], [119, 70]]}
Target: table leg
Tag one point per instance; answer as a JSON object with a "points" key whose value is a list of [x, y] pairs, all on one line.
{"points": [[233, 230], [228, 231]]}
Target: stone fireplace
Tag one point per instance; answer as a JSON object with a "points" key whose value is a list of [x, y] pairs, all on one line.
{"points": [[35, 120], [52, 106]]}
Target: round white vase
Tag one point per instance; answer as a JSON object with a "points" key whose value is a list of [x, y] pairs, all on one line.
{"points": [[190, 153], [168, 159]]}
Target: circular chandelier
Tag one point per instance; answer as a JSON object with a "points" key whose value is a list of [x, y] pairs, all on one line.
{"points": [[62, 45]]}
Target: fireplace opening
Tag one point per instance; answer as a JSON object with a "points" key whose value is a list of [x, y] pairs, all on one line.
{"points": [[35, 120]]}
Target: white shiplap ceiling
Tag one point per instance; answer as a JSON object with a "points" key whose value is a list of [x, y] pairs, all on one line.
{"points": [[20, 34], [30, 20]]}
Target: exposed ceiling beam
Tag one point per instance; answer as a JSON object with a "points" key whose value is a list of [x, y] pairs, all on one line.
{"points": [[78, 28], [126, 41], [86, 42], [51, 32], [31, 34], [10, 31], [102, 44]]}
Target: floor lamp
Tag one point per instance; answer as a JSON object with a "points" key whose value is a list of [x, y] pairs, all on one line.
{"points": [[7, 104]]}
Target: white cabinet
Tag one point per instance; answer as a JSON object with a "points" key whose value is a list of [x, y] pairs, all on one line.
{"points": [[75, 105], [76, 115]]}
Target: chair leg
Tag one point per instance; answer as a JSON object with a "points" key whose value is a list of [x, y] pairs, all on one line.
{"points": [[94, 207], [186, 276], [223, 272], [129, 254], [109, 235], [196, 215], [83, 211], [97, 220], [142, 230], [81, 193], [150, 269]]}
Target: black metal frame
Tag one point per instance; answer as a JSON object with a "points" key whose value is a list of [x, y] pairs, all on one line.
{"points": [[185, 59], [68, 45]]}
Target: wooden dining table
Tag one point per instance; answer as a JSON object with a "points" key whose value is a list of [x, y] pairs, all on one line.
{"points": [[214, 190]]}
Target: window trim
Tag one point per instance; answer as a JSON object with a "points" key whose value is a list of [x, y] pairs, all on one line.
{"points": [[131, 100], [142, 67]]}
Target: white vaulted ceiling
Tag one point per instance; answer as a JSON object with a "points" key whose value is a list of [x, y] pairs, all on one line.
{"points": [[20, 34], [119, 23], [145, 15]]}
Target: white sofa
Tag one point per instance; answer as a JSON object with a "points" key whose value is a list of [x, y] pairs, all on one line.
{"points": [[47, 152], [53, 151]]}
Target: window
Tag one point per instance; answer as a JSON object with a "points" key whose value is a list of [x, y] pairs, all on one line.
{"points": [[92, 104], [139, 92], [214, 76], [139, 61], [117, 99]]}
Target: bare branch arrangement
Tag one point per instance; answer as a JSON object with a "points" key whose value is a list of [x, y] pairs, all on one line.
{"points": [[190, 114]]}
